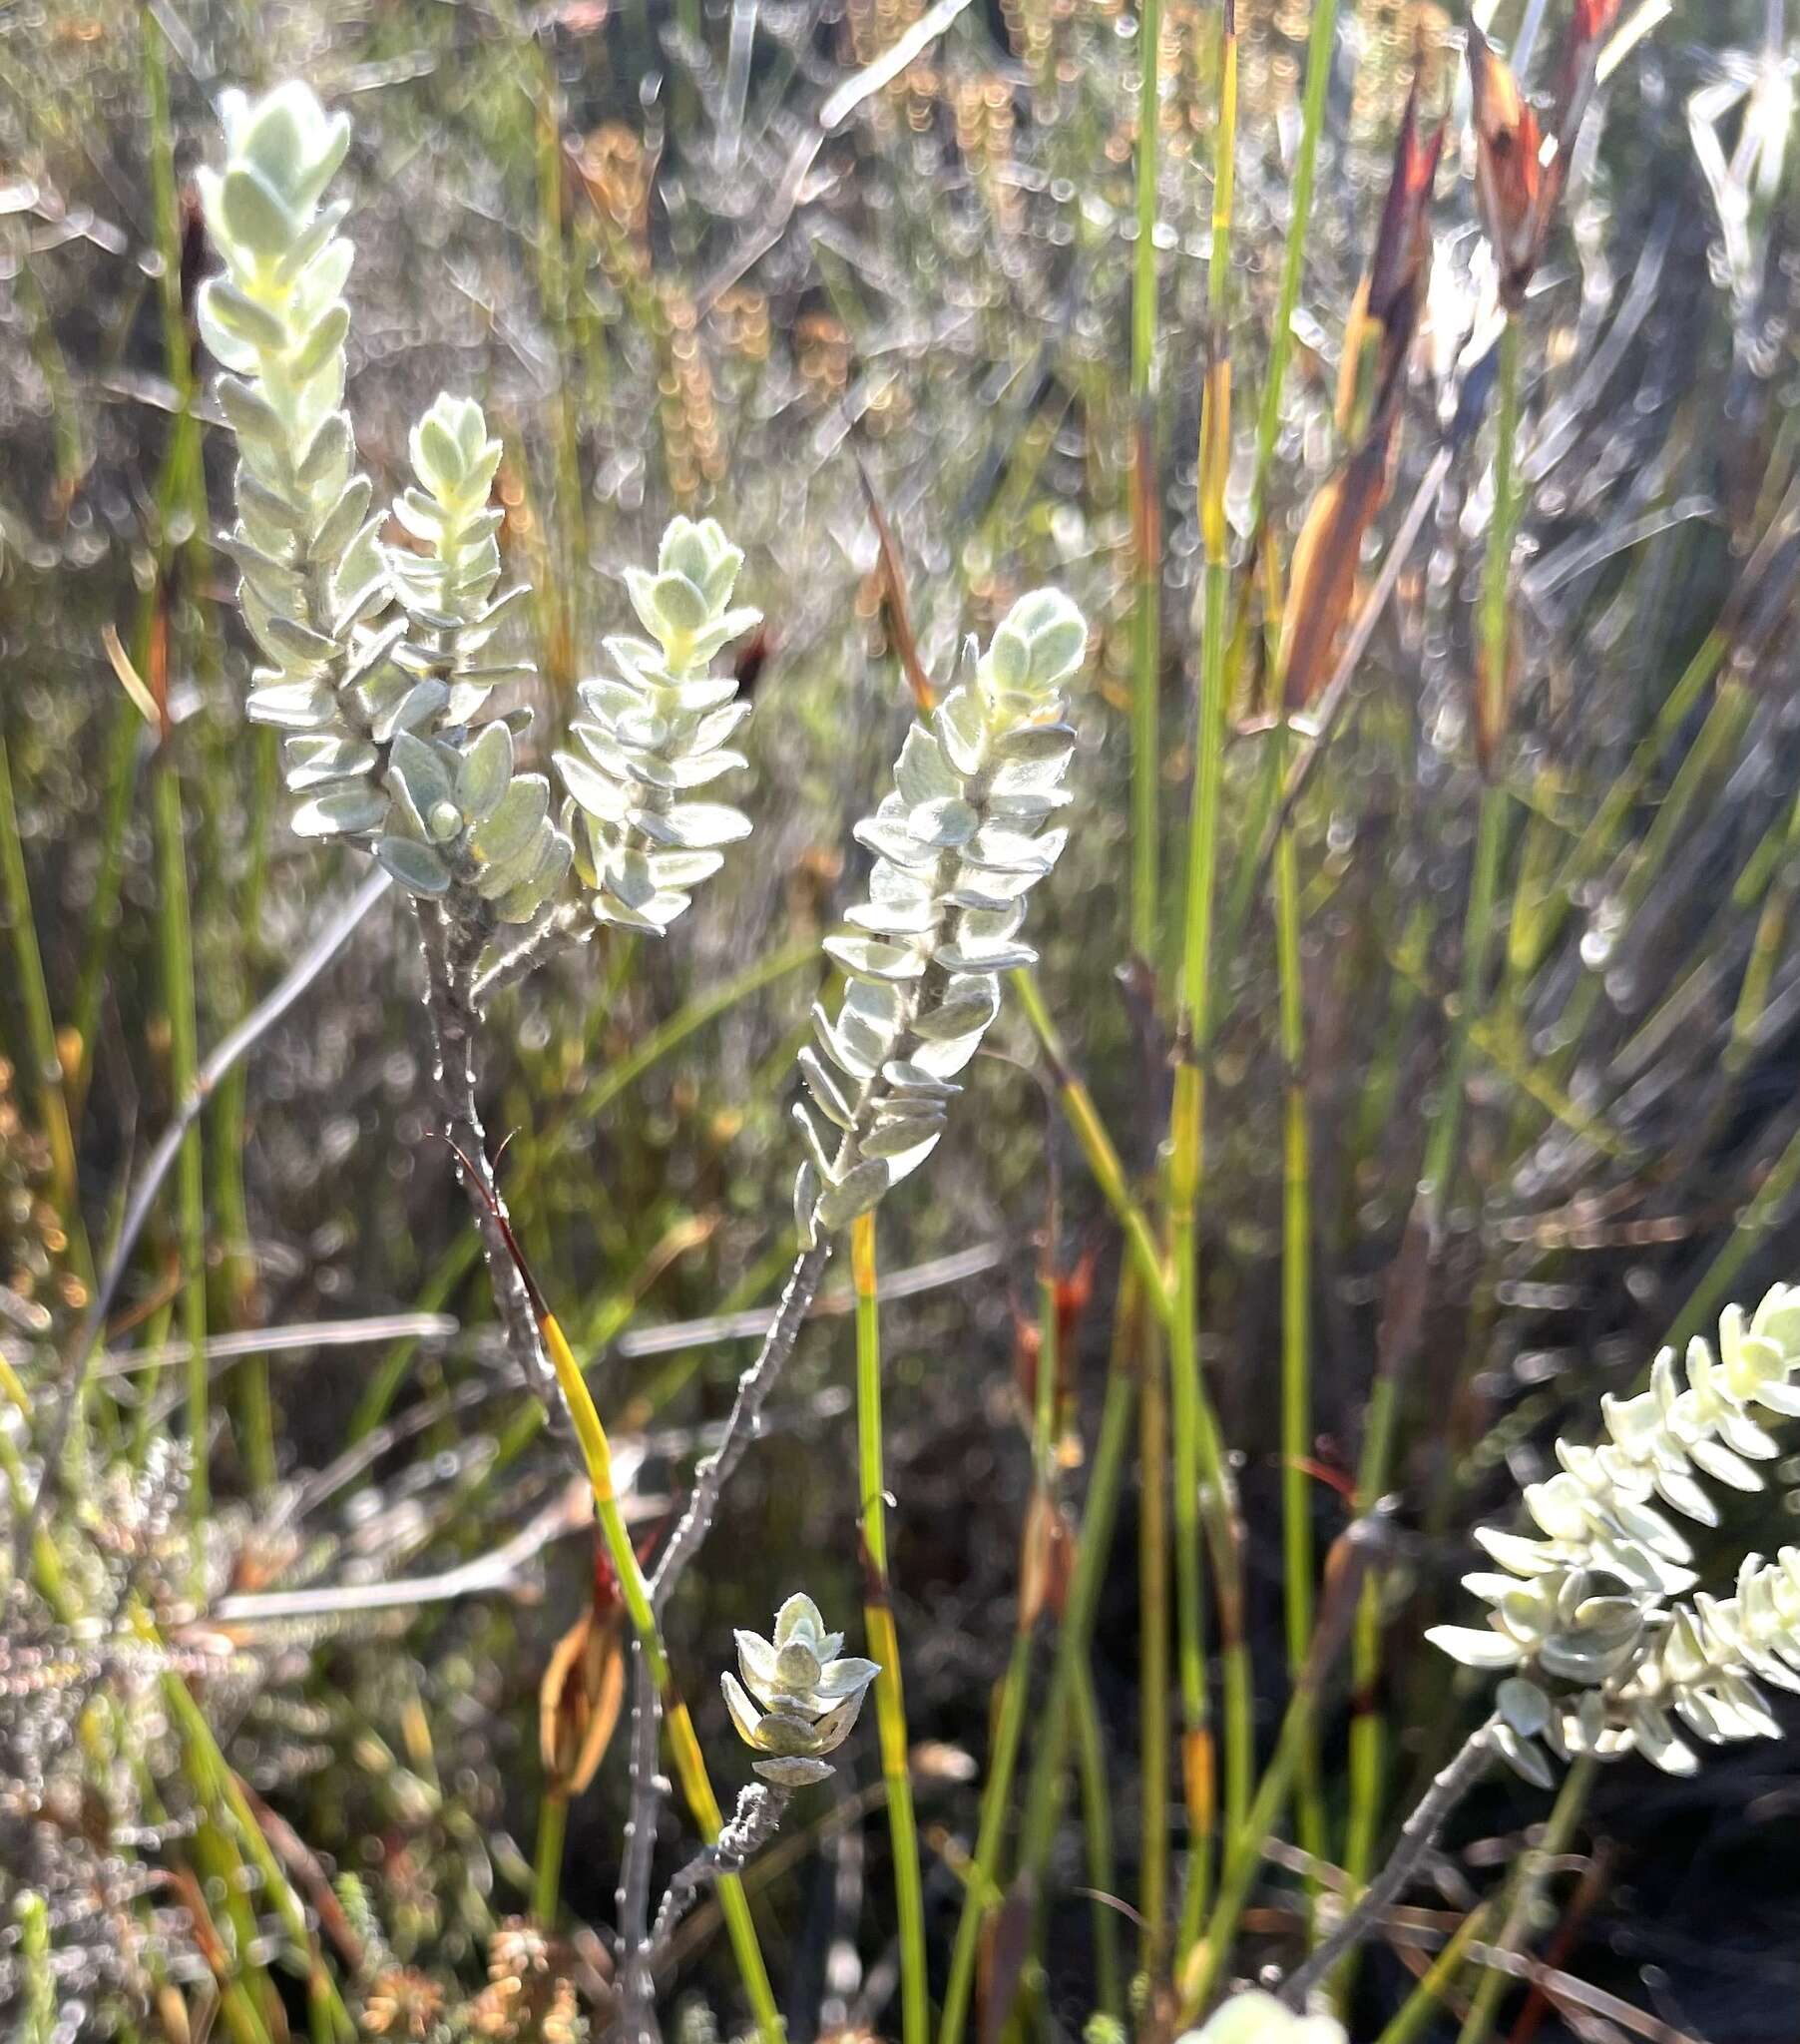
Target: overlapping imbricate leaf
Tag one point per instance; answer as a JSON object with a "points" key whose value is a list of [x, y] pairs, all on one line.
{"points": [[958, 842], [1604, 1645], [655, 732], [312, 582]]}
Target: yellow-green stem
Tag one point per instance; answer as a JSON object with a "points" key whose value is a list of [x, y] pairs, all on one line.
{"points": [[884, 1641], [1097, 1149], [1092, 1551], [981, 1893], [683, 1744]]}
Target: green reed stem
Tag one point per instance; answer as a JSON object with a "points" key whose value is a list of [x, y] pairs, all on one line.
{"points": [[1202, 1482], [1368, 1733], [176, 947], [983, 1890], [547, 1869], [1595, 846], [1097, 1821], [884, 1640], [1152, 1652], [1093, 1554], [1243, 1855], [1147, 523], [1423, 2003], [684, 1743], [1298, 1562]]}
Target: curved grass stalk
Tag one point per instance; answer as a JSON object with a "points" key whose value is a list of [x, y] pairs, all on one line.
{"points": [[1096, 1148], [883, 1639]]}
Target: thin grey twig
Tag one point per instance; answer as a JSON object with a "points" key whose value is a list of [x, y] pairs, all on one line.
{"points": [[757, 1817], [637, 1955], [298, 1336], [256, 1024], [452, 942], [636, 1981], [939, 1272], [567, 919], [1417, 1837], [488, 1573], [753, 1387]]}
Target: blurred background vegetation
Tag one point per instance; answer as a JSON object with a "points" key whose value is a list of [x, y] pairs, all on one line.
{"points": [[628, 230]]}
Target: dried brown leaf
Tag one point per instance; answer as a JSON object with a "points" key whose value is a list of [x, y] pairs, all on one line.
{"points": [[1322, 580]]}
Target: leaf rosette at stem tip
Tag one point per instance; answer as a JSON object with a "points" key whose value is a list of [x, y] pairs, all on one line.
{"points": [[799, 1698], [313, 583], [655, 732], [1601, 1644], [959, 842]]}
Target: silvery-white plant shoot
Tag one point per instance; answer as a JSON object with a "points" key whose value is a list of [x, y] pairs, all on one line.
{"points": [[1602, 1645], [378, 709], [314, 581], [656, 733], [958, 841]]}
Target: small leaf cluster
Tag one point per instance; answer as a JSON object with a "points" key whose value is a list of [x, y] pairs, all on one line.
{"points": [[1596, 1618], [304, 544], [461, 815], [799, 1698], [655, 732], [959, 842]]}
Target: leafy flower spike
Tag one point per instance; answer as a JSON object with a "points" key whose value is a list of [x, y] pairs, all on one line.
{"points": [[304, 542], [655, 732], [808, 1698], [958, 843]]}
